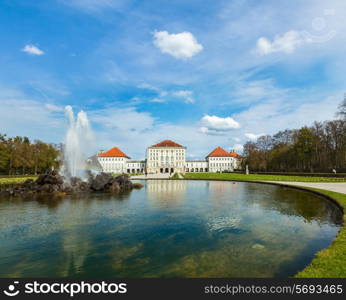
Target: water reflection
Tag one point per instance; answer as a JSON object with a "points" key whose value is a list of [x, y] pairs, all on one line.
{"points": [[166, 193], [167, 229], [293, 202], [221, 194], [75, 245]]}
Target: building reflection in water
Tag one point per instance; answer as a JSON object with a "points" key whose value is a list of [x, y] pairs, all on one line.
{"points": [[221, 193], [166, 193]]}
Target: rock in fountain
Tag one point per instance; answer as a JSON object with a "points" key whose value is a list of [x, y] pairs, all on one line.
{"points": [[53, 183], [73, 177]]}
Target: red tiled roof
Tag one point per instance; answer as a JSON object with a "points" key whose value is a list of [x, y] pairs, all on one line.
{"points": [[114, 152], [167, 143], [219, 152], [235, 154]]}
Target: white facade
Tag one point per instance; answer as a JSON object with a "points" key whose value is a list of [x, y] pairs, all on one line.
{"points": [[113, 164], [135, 166], [165, 159], [121, 165], [168, 157], [221, 164], [196, 166]]}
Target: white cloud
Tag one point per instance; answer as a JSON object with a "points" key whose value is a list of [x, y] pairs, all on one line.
{"points": [[163, 95], [158, 100], [95, 6], [113, 126], [217, 125], [275, 115], [53, 107], [287, 43], [206, 130], [186, 95], [147, 86], [238, 148], [113, 118], [253, 136], [180, 45], [116, 126], [32, 50], [246, 91], [46, 85], [20, 115]]}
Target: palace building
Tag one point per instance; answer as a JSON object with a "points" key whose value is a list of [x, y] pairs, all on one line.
{"points": [[167, 157]]}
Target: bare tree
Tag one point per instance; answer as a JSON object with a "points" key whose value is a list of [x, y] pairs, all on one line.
{"points": [[321, 148], [342, 109]]}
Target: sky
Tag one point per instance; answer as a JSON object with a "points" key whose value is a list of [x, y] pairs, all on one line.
{"points": [[202, 73]]}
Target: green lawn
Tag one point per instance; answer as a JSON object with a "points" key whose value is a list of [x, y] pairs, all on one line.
{"points": [[8, 180], [329, 262], [257, 177], [175, 176]]}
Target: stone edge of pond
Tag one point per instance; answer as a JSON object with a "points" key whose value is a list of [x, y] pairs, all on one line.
{"points": [[329, 262]]}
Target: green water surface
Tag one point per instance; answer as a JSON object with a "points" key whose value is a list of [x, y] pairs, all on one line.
{"points": [[167, 229]]}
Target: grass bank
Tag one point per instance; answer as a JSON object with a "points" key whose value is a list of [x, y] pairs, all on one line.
{"points": [[329, 262], [260, 177]]}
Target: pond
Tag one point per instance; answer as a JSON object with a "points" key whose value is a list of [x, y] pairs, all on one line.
{"points": [[167, 229]]}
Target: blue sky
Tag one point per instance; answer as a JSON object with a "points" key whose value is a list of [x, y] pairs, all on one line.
{"points": [[203, 73]]}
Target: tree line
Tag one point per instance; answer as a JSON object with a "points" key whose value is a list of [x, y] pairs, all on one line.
{"points": [[317, 148], [19, 156]]}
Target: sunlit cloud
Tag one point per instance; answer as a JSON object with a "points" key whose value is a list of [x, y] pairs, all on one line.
{"points": [[287, 43], [180, 45], [219, 124], [185, 95], [32, 50], [253, 136]]}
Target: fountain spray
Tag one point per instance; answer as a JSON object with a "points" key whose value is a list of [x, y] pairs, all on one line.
{"points": [[78, 140]]}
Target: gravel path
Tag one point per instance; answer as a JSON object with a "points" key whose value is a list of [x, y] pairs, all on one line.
{"points": [[339, 187]]}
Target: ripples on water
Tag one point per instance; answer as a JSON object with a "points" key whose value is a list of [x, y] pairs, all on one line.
{"points": [[167, 229], [223, 224]]}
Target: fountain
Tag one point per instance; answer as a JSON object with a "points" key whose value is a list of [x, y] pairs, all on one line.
{"points": [[78, 138], [74, 177]]}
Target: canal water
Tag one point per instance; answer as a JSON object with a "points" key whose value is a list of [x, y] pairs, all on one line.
{"points": [[167, 229]]}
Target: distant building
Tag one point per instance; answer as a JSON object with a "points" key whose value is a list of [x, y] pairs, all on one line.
{"points": [[196, 166], [113, 161], [135, 166], [168, 157], [220, 160]]}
